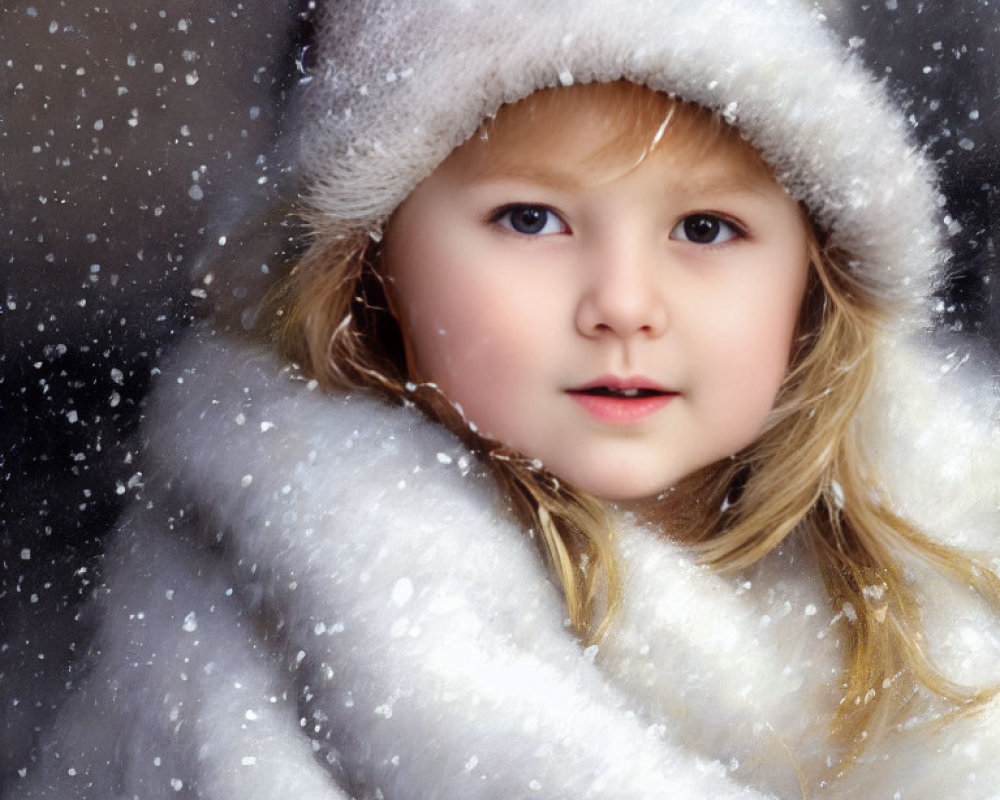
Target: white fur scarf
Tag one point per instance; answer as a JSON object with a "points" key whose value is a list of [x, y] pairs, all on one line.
{"points": [[321, 597]]}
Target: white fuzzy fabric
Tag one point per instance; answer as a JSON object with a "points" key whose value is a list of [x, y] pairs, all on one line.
{"points": [[318, 597], [400, 84]]}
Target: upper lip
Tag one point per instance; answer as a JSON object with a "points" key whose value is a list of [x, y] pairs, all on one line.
{"points": [[637, 386]]}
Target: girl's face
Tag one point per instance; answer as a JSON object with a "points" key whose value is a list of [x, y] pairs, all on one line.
{"points": [[624, 323]]}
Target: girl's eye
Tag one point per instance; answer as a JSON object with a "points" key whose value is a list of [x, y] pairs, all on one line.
{"points": [[530, 220], [705, 229]]}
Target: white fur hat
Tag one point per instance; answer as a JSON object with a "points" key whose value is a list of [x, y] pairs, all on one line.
{"points": [[400, 83]]}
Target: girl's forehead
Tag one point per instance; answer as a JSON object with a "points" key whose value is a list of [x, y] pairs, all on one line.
{"points": [[606, 130]]}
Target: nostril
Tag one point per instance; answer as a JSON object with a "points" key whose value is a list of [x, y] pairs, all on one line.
{"points": [[621, 308]]}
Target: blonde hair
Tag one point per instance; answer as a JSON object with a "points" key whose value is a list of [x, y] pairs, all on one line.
{"points": [[806, 472]]}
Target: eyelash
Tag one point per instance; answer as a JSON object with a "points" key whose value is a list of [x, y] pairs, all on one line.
{"points": [[497, 218], [738, 230]]}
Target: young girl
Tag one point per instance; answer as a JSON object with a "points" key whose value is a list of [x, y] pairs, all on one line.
{"points": [[609, 466]]}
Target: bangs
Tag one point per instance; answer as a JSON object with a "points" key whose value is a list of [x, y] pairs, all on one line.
{"points": [[625, 121]]}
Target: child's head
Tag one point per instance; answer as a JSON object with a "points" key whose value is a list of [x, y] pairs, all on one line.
{"points": [[748, 107], [714, 210], [604, 279]]}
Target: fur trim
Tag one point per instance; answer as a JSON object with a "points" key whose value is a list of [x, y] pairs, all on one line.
{"points": [[399, 85], [319, 597]]}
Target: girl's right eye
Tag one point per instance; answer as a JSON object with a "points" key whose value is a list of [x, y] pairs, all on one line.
{"points": [[529, 220]]}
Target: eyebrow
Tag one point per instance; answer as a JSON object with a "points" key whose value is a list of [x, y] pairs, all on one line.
{"points": [[737, 182], [740, 181], [532, 173]]}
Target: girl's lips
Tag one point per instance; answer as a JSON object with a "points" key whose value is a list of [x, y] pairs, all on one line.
{"points": [[621, 401]]}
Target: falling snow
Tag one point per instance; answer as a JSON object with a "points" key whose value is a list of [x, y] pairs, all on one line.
{"points": [[104, 230], [136, 144]]}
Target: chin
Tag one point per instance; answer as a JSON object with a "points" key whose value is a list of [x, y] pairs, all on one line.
{"points": [[614, 489]]}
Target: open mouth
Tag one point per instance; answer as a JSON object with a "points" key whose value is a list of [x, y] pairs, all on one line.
{"points": [[619, 401], [626, 394]]}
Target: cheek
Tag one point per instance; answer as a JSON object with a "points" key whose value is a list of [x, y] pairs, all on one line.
{"points": [[754, 344], [758, 369], [459, 331], [478, 335], [482, 361], [424, 299]]}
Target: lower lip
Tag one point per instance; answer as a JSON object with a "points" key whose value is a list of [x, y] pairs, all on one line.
{"points": [[621, 410]]}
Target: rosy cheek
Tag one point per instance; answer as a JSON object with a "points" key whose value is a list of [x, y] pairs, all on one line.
{"points": [[443, 347]]}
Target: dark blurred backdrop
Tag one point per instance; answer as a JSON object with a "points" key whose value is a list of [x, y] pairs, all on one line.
{"points": [[134, 140], [940, 58]]}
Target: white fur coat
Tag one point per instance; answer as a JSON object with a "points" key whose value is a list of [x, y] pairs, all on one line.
{"points": [[319, 598]]}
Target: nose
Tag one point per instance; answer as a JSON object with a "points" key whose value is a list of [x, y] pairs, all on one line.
{"points": [[622, 295]]}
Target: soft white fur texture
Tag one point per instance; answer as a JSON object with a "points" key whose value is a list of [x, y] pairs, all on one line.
{"points": [[319, 597], [400, 84]]}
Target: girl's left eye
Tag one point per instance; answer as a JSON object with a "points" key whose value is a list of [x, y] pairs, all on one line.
{"points": [[705, 229], [529, 220]]}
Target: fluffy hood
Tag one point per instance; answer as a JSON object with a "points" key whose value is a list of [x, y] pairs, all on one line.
{"points": [[399, 85]]}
